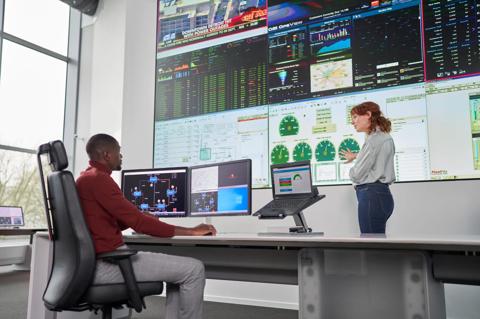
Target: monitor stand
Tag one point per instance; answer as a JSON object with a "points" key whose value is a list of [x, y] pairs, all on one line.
{"points": [[301, 228], [301, 223]]}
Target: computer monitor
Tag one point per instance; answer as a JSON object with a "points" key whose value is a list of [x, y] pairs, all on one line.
{"points": [[161, 192], [11, 216], [222, 189], [291, 179]]}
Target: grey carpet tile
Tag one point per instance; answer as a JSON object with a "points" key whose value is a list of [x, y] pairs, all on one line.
{"points": [[14, 299], [14, 294]]}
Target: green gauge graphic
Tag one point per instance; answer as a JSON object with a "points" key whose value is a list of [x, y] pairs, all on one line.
{"points": [[302, 152], [297, 176], [280, 154], [348, 143], [325, 151], [289, 126]]}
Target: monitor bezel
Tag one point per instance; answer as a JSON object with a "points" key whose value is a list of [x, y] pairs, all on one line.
{"points": [[14, 225], [141, 170], [287, 165], [249, 169]]}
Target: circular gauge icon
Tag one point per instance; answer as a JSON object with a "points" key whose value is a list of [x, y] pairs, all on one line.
{"points": [[348, 144], [289, 126], [280, 154], [325, 151], [302, 152]]}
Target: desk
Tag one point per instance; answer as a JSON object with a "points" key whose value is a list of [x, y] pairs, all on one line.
{"points": [[21, 232], [17, 254], [338, 276]]}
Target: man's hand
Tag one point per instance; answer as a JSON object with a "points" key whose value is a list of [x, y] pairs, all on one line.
{"points": [[349, 156], [199, 230], [204, 229]]}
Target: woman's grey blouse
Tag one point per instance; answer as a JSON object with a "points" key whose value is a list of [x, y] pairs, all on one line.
{"points": [[375, 160]]}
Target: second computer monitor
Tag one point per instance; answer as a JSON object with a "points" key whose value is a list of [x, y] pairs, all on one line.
{"points": [[159, 192], [221, 189]]}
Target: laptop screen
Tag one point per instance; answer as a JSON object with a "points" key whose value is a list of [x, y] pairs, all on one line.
{"points": [[11, 216], [159, 192], [291, 179]]}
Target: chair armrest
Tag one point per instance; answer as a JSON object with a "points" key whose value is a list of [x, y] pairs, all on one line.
{"points": [[117, 254], [121, 257]]}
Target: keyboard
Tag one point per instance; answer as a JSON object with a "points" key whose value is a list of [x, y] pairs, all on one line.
{"points": [[289, 204], [282, 207]]}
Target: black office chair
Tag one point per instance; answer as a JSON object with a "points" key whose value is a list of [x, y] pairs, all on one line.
{"points": [[70, 284]]}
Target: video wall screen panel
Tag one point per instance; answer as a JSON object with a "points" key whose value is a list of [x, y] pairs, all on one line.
{"points": [[216, 138], [276, 84], [185, 22], [208, 80], [451, 38]]}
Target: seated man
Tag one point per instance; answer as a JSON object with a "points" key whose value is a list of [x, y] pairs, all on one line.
{"points": [[108, 212]]}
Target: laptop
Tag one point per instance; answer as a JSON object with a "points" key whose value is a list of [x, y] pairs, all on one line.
{"points": [[292, 190], [11, 217]]}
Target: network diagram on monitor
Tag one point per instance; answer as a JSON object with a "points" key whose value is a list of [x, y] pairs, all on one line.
{"points": [[276, 82], [160, 192]]}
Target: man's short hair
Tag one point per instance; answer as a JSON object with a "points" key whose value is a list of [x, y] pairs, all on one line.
{"points": [[99, 143]]}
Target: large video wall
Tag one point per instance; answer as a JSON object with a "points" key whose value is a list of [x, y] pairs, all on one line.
{"points": [[275, 83]]}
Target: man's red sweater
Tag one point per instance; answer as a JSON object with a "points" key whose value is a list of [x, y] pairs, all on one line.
{"points": [[108, 212]]}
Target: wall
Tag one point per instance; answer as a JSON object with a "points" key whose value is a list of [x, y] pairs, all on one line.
{"points": [[101, 83], [117, 97]]}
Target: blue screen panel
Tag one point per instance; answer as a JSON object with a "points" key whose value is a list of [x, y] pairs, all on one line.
{"points": [[234, 199]]}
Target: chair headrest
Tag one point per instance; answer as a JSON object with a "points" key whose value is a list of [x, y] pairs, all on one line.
{"points": [[57, 156]]}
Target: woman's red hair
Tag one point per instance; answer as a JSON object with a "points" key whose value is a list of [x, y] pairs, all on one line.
{"points": [[377, 120]]}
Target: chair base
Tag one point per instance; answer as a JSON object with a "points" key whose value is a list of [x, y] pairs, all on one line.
{"points": [[107, 313]]}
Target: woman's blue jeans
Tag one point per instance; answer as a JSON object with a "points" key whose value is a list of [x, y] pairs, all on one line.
{"points": [[375, 206]]}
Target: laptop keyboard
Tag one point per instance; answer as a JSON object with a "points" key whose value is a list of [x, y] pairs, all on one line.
{"points": [[281, 207], [288, 204]]}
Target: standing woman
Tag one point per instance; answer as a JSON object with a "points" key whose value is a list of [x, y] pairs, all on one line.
{"points": [[373, 170]]}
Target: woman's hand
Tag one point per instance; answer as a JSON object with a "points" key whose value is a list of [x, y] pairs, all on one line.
{"points": [[349, 155]]}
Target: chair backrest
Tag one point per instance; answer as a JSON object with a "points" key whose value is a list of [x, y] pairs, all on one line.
{"points": [[73, 262]]}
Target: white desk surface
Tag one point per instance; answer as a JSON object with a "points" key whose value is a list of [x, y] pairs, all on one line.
{"points": [[423, 242]]}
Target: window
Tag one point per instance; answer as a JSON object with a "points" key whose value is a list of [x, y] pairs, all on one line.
{"points": [[32, 96], [42, 22], [39, 43]]}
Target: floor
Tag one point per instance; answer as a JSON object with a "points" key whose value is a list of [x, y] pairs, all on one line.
{"points": [[14, 299]]}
